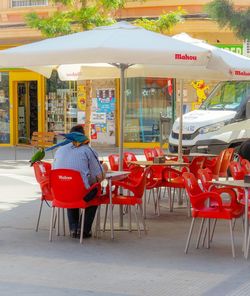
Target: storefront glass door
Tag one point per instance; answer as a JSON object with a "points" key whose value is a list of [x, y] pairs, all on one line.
{"points": [[27, 113]]}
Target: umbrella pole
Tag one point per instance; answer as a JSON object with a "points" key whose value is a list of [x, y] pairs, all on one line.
{"points": [[122, 68], [181, 121]]}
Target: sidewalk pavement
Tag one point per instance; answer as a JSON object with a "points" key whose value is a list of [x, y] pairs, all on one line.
{"points": [[154, 265], [25, 153]]}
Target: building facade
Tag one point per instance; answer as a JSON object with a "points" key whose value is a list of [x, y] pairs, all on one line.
{"points": [[29, 102]]}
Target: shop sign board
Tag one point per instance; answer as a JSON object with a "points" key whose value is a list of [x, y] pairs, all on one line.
{"points": [[236, 48]]}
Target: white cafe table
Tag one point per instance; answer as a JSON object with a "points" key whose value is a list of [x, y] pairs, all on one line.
{"points": [[191, 155], [113, 176], [147, 163], [246, 187]]}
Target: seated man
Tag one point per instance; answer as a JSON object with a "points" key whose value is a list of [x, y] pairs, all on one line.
{"points": [[85, 160]]}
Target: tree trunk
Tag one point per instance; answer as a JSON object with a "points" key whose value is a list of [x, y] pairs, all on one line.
{"points": [[87, 126]]}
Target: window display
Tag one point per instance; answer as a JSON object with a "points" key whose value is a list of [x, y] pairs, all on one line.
{"points": [[146, 98], [61, 105], [4, 108]]}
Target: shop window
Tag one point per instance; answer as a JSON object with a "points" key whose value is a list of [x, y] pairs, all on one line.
{"points": [[28, 3], [4, 108], [146, 99], [61, 104]]}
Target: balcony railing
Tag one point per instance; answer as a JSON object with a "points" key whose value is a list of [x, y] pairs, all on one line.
{"points": [[28, 3]]}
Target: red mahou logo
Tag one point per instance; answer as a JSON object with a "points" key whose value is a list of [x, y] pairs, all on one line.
{"points": [[179, 56], [241, 73]]}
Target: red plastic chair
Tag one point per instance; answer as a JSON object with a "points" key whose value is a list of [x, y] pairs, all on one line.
{"points": [[245, 164], [172, 179], [152, 183], [236, 170], [227, 157], [42, 171], [206, 179], [214, 165], [196, 164], [114, 162], [127, 157], [133, 197], [159, 151], [150, 153], [208, 205], [68, 191]]}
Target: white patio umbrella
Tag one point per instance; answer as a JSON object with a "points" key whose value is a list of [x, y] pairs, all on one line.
{"points": [[239, 65], [123, 46]]}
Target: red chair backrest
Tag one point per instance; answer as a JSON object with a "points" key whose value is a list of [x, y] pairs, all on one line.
{"points": [[205, 177], [225, 162], [142, 179], [216, 168], [114, 162], [67, 186], [150, 154], [159, 151], [129, 156], [196, 164], [42, 170], [236, 170], [245, 164], [191, 185]]}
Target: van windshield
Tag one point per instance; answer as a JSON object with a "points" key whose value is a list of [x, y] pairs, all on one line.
{"points": [[227, 95]]}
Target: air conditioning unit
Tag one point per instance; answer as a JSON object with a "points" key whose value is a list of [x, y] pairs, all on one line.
{"points": [[246, 48]]}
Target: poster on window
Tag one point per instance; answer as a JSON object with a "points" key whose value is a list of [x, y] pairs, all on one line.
{"points": [[103, 115], [98, 117], [105, 100]]}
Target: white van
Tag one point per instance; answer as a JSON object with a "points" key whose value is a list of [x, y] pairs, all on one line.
{"points": [[223, 120]]}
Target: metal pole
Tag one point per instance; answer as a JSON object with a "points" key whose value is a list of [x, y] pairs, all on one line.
{"points": [[122, 68], [180, 121]]}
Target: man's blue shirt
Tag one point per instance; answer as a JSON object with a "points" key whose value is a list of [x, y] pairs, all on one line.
{"points": [[83, 159]]}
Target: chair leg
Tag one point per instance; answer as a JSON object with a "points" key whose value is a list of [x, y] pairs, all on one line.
{"points": [[199, 235], [39, 215], [137, 222], [155, 200], [232, 237], [51, 223], [129, 219], [213, 229], [55, 218], [105, 219], [158, 201], [208, 233], [150, 191], [170, 199], [81, 232], [248, 243], [98, 222], [145, 203], [142, 219], [63, 218], [58, 222], [164, 192], [234, 223], [173, 197], [189, 235]]}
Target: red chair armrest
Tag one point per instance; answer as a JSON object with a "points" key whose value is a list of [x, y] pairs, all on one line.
{"points": [[212, 196]]}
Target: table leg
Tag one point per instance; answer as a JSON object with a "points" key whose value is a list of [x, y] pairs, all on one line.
{"points": [[111, 209], [246, 223]]}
